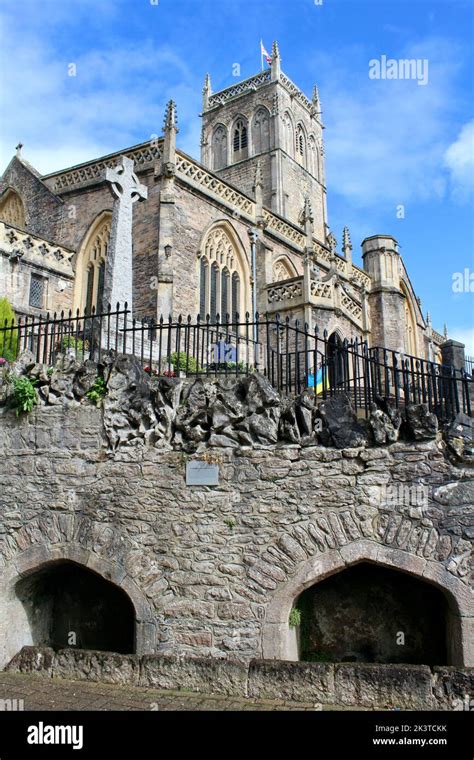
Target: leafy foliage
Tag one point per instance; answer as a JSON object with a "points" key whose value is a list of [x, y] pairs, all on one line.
{"points": [[295, 617], [70, 341], [97, 391], [9, 338], [24, 394], [182, 363], [231, 367]]}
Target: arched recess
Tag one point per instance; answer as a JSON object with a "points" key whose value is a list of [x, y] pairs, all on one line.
{"points": [[219, 147], [15, 625], [261, 131], [288, 134], [223, 273], [283, 269], [277, 637], [313, 157], [410, 325], [12, 210], [90, 265]]}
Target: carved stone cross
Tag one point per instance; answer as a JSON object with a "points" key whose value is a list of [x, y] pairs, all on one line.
{"points": [[125, 186]]}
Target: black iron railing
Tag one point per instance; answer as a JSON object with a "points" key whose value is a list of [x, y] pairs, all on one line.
{"points": [[291, 356]]}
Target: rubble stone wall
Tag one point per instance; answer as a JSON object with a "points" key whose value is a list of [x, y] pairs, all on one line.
{"points": [[305, 490]]}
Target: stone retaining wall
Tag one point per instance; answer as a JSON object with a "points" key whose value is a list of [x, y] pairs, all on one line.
{"points": [[214, 570], [407, 687]]}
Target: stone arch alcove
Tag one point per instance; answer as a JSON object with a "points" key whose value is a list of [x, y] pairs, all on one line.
{"points": [[261, 131], [219, 147], [283, 269], [279, 641], [42, 576], [67, 604], [12, 209]]}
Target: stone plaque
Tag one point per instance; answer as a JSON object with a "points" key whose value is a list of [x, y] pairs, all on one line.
{"points": [[199, 473]]}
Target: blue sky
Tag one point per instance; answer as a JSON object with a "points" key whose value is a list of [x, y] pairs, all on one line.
{"points": [[388, 143]]}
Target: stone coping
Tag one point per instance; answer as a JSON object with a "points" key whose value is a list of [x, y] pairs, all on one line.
{"points": [[356, 685]]}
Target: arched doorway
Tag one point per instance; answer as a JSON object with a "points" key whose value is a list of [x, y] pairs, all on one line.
{"points": [[370, 613], [67, 604], [335, 362]]}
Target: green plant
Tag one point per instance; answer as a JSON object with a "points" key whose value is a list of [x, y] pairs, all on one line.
{"points": [[183, 363], [237, 368], [8, 355], [8, 338], [50, 371], [230, 523], [69, 341], [24, 394], [97, 390], [295, 617]]}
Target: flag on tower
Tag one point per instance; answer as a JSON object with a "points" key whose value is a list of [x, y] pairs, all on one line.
{"points": [[265, 54]]}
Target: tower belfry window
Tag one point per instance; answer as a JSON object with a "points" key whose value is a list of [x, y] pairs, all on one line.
{"points": [[300, 145], [240, 141]]}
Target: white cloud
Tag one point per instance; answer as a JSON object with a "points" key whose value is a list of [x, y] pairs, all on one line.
{"points": [[463, 335], [116, 99], [459, 158], [386, 139]]}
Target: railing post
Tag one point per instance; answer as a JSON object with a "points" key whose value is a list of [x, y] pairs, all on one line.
{"points": [[278, 349]]}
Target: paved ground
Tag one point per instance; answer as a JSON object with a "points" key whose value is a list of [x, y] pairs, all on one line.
{"points": [[46, 694]]}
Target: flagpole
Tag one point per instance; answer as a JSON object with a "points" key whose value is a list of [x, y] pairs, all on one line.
{"points": [[261, 54]]}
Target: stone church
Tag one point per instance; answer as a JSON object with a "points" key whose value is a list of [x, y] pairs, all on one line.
{"points": [[189, 532], [243, 229]]}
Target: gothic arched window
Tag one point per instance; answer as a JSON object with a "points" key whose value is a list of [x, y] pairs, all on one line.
{"points": [[261, 131], [203, 287], [288, 134], [235, 297], [90, 270], [240, 140], [12, 210], [225, 294], [300, 145], [214, 285], [410, 324], [219, 147], [223, 276]]}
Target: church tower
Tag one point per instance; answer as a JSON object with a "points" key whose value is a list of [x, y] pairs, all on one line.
{"points": [[267, 119]]}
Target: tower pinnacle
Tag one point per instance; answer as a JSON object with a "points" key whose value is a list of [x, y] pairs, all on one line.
{"points": [[206, 92], [276, 62]]}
